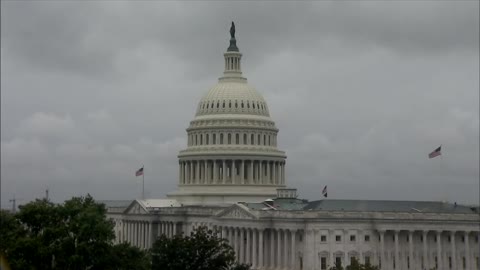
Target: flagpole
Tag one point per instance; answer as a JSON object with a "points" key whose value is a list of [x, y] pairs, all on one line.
{"points": [[143, 183]]}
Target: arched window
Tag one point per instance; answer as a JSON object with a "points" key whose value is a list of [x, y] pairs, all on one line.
{"points": [[244, 138], [229, 104], [229, 138], [242, 104], [258, 140], [269, 140], [253, 104], [207, 105], [221, 138], [252, 138], [201, 139], [264, 139], [196, 139], [237, 138], [236, 104], [248, 105], [214, 138], [223, 104], [207, 139]]}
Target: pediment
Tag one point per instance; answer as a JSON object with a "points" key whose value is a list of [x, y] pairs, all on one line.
{"points": [[136, 208], [236, 211]]}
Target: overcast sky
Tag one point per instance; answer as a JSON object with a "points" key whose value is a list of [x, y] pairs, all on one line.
{"points": [[361, 92]]}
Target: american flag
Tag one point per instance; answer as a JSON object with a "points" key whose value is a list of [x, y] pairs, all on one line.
{"points": [[139, 172], [436, 152], [324, 192]]}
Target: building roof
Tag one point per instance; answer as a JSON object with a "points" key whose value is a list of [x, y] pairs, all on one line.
{"points": [[365, 205]]}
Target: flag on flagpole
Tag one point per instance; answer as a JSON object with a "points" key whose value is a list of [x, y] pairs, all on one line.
{"points": [[324, 192], [436, 152], [139, 172]]}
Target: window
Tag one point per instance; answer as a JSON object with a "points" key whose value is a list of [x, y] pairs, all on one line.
{"points": [[237, 138], [436, 239], [252, 138], [242, 104], [207, 139], [436, 263], [214, 138], [352, 238], [338, 260], [229, 138], [352, 259], [323, 263], [367, 238], [236, 104], [201, 139], [221, 138], [269, 140], [323, 238], [421, 238], [464, 263], [244, 138], [258, 139], [450, 262], [449, 239], [300, 238], [367, 260], [196, 139], [223, 106], [264, 139], [463, 239], [338, 238]]}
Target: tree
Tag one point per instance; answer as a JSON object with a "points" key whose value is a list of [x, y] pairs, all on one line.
{"points": [[202, 250], [354, 265], [72, 235]]}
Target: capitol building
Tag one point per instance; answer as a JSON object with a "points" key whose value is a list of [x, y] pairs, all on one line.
{"points": [[231, 178]]}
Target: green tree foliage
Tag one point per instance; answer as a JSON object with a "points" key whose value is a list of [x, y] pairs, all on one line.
{"points": [[355, 265], [202, 250], [72, 235]]}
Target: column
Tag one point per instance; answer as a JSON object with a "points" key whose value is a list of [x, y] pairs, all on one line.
{"points": [[197, 172], [250, 172], [454, 251], [293, 260], [215, 172], [260, 248], [285, 249], [174, 228], [188, 165], [410, 250], [283, 173], [224, 233], [272, 249], [242, 171], [439, 250], [254, 249], [180, 180], [397, 257], [248, 248], [382, 249], [269, 178], [205, 171], [467, 250], [224, 171], [279, 249], [274, 173], [242, 245]]}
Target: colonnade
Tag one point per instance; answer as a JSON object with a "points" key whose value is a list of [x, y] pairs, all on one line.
{"points": [[138, 233], [168, 228], [232, 171], [263, 248]]}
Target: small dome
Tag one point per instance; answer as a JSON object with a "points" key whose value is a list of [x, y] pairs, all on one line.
{"points": [[232, 97]]}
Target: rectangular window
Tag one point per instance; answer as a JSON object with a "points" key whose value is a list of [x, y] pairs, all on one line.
{"points": [[323, 263], [352, 238], [449, 239], [338, 260], [237, 138], [214, 138], [436, 262], [464, 263], [408, 262], [463, 239], [367, 260], [338, 238], [421, 238], [367, 238], [450, 262], [352, 259], [323, 238]]}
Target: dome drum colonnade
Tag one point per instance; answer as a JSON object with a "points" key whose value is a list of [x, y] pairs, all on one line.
{"points": [[232, 141]]}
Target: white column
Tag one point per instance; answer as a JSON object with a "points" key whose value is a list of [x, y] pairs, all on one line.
{"points": [[254, 248], [467, 249], [174, 228], [242, 245], [242, 172], [274, 173], [197, 172], [260, 249], [269, 178], [285, 249], [283, 172], [250, 172], [224, 171], [293, 259], [279, 249], [180, 172], [248, 248], [205, 171], [410, 250], [272, 249], [397, 261], [382, 249], [439, 250], [454, 251], [215, 172]]}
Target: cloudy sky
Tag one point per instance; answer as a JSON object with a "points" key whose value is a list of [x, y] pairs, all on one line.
{"points": [[361, 93]]}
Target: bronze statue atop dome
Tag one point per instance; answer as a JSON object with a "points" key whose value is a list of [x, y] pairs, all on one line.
{"points": [[232, 30]]}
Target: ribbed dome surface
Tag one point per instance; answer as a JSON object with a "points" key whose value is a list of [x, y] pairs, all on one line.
{"points": [[232, 96]]}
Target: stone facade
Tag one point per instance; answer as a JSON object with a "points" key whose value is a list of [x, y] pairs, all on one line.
{"points": [[232, 180]]}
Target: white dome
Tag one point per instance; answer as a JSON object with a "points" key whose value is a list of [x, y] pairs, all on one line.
{"points": [[232, 96]]}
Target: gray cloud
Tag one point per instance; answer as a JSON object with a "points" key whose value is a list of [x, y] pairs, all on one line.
{"points": [[361, 92]]}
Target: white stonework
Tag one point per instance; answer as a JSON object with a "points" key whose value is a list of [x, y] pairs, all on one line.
{"points": [[231, 166]]}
